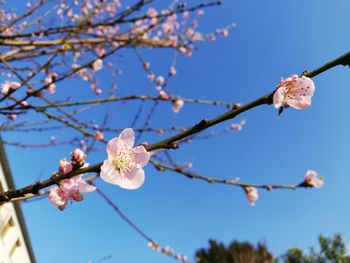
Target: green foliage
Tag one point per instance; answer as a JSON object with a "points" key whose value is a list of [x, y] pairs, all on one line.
{"points": [[332, 250], [236, 252]]}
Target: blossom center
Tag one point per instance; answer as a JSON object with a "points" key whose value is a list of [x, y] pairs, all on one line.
{"points": [[123, 161]]}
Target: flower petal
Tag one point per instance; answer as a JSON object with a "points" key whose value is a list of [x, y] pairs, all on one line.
{"points": [[108, 173], [299, 103], [278, 97], [135, 183], [57, 197], [85, 188], [114, 146], [141, 156], [127, 136]]}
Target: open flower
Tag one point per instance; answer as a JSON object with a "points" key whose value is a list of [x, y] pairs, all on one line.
{"points": [[312, 180], [251, 194], [69, 189], [294, 92], [124, 164]]}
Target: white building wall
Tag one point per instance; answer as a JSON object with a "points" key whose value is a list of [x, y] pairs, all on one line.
{"points": [[13, 248]]}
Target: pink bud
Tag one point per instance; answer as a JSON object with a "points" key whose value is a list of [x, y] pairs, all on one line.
{"points": [[251, 194], [177, 105], [99, 136], [65, 166], [78, 156]]}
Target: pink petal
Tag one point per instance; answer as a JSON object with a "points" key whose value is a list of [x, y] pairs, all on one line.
{"points": [[84, 187], [310, 174], [127, 136], [57, 197], [299, 103], [135, 183], [108, 173], [132, 173], [278, 97], [141, 155], [114, 146]]}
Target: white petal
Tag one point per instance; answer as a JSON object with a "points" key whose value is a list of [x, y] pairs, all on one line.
{"points": [[114, 146], [85, 188], [108, 173], [135, 183], [141, 155], [278, 97], [127, 136]]}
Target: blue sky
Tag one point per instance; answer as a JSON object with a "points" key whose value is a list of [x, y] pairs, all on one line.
{"points": [[272, 39]]}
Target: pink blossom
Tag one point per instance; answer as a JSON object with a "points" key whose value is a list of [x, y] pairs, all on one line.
{"points": [[95, 88], [65, 166], [69, 189], [51, 88], [12, 116], [177, 105], [312, 180], [124, 164], [172, 71], [151, 12], [224, 33], [97, 65], [160, 80], [99, 136], [78, 155], [57, 197], [182, 49], [146, 65], [200, 13], [236, 126], [295, 92], [186, 15], [9, 86], [251, 194], [163, 95], [151, 76], [24, 103]]}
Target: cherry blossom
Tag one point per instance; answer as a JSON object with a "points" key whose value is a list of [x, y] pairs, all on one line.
{"points": [[312, 180], [12, 116], [72, 188], [124, 164], [177, 105], [9, 86], [163, 95], [78, 155], [251, 194], [97, 65], [69, 189], [295, 92], [99, 135], [172, 71]]}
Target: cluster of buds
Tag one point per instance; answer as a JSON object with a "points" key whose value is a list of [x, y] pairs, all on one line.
{"points": [[168, 251], [77, 158]]}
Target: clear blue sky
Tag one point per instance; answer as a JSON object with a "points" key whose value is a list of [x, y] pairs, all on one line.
{"points": [[273, 39]]}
